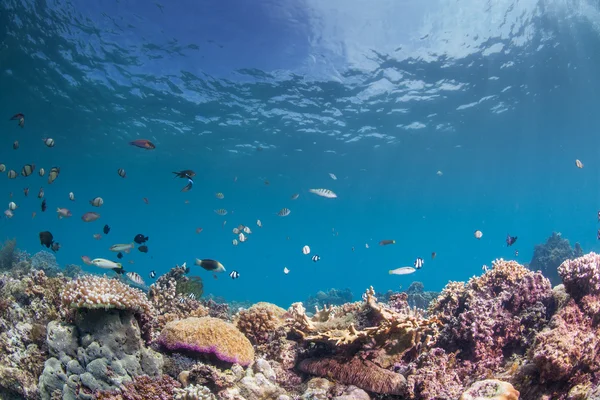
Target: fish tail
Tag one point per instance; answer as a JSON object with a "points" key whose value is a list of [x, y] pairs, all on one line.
{"points": [[390, 272]]}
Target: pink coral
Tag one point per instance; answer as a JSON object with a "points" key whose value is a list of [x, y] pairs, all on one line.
{"points": [[210, 336], [581, 276]]}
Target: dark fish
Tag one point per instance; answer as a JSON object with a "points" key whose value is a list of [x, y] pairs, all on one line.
{"points": [[598, 234], [210, 265], [19, 117], [120, 255], [143, 248], [121, 172], [143, 144], [46, 239], [106, 229], [433, 255], [26, 191], [55, 247], [43, 205], [16, 144], [598, 216], [386, 242], [140, 239], [188, 187], [186, 173], [152, 274], [510, 240]]}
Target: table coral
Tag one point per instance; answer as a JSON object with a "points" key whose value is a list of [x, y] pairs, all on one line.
{"points": [[208, 335]]}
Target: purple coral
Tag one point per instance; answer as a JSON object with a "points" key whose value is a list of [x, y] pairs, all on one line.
{"points": [[581, 276]]}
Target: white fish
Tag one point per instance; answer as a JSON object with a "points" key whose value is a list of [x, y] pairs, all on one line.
{"points": [[106, 264], [323, 193], [242, 237], [366, 245], [478, 234], [12, 206], [234, 242], [8, 213], [295, 196], [402, 271], [2, 167], [135, 277], [306, 250], [247, 230], [285, 270], [439, 173], [579, 164], [221, 211], [333, 176], [259, 223], [72, 196], [235, 231], [284, 212], [122, 247]]}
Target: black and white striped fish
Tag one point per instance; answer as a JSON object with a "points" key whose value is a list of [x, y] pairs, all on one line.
{"points": [[152, 274], [234, 274], [181, 300], [419, 263], [191, 296], [135, 277], [315, 258]]}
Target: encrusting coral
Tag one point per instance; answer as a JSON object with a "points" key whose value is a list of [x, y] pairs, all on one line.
{"points": [[143, 388], [208, 335]]}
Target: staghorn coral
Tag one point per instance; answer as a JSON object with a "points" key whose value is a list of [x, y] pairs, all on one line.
{"points": [[95, 292], [493, 316], [143, 388], [361, 373], [549, 256], [167, 298], [490, 389], [208, 335]]}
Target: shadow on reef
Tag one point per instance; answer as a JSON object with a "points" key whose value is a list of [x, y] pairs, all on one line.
{"points": [[501, 333]]}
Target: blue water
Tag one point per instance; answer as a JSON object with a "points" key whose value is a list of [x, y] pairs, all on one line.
{"points": [[502, 98]]}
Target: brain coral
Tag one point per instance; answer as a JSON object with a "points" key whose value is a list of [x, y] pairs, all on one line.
{"points": [[210, 336]]}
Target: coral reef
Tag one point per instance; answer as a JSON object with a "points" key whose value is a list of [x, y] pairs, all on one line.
{"points": [[101, 350], [8, 254], [207, 335], [490, 389], [547, 257], [144, 387], [260, 322], [334, 297]]}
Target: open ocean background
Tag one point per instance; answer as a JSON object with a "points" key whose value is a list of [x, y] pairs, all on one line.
{"points": [[501, 96]]}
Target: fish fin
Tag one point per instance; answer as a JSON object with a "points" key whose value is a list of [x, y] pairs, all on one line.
{"points": [[390, 272]]}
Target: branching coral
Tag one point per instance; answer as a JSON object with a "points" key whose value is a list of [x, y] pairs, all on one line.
{"points": [[208, 336]]}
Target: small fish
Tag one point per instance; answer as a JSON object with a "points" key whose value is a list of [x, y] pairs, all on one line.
{"points": [[42, 172], [221, 211], [598, 234], [315, 258], [46, 239], [41, 193], [71, 196], [285, 270], [191, 296], [15, 144], [210, 265], [439, 173], [579, 164], [324, 193], [63, 213], [242, 237], [386, 242], [119, 255], [598, 216], [306, 250], [12, 206], [146, 200], [236, 231], [186, 173], [121, 172], [12, 174], [220, 196], [140, 239], [295, 196], [8, 214], [107, 264], [19, 117], [189, 186], [419, 263], [366, 245], [97, 236], [234, 274], [86, 260], [2, 167], [135, 277], [478, 234], [198, 230], [33, 214], [258, 223], [247, 230], [402, 271], [516, 253], [48, 142], [55, 247], [181, 300], [510, 240], [97, 202], [143, 248], [234, 242], [267, 182], [284, 212], [143, 144], [122, 247], [333, 176], [152, 274], [27, 170], [44, 205], [90, 217], [106, 229], [53, 174], [433, 255]]}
